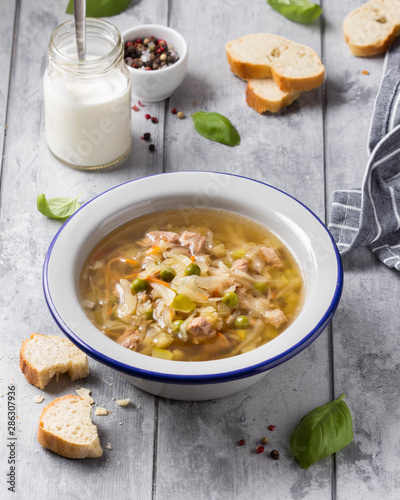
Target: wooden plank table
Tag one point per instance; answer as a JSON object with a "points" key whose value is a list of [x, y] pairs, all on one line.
{"points": [[165, 449]]}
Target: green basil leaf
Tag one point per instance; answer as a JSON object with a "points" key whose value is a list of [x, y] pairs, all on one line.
{"points": [[216, 127], [301, 11], [321, 432], [57, 208], [101, 8]]}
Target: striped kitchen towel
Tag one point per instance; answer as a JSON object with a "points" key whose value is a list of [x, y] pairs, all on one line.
{"points": [[370, 216]]}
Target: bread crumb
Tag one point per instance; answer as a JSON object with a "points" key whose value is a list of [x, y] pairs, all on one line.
{"points": [[123, 402], [85, 394], [38, 399], [109, 447], [101, 411], [364, 72], [120, 423], [118, 463], [112, 399]]}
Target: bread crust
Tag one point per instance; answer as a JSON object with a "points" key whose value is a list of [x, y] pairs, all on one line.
{"points": [[40, 377], [65, 447], [288, 84], [267, 66], [372, 28], [262, 104], [246, 71]]}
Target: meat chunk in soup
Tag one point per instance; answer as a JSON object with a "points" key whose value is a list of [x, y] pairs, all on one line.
{"points": [[200, 327], [195, 241], [271, 257], [168, 236], [241, 264], [276, 318], [129, 340]]}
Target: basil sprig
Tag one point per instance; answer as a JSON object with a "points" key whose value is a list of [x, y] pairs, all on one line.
{"points": [[321, 432], [101, 8], [216, 127], [301, 11], [57, 208]]}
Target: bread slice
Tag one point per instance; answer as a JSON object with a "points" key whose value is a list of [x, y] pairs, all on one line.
{"points": [[265, 95], [43, 356], [371, 28], [294, 67], [66, 427]]}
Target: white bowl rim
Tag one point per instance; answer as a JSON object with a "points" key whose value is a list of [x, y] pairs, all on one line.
{"points": [[182, 57], [168, 376]]}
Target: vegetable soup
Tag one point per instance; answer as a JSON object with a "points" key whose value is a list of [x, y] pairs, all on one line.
{"points": [[191, 285]]}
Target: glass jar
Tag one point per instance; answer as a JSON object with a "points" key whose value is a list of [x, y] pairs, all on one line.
{"points": [[88, 103]]}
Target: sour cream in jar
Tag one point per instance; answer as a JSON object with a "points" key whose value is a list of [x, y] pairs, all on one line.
{"points": [[88, 103]]}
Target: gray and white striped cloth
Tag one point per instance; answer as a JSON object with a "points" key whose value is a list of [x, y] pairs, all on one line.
{"points": [[370, 216]]}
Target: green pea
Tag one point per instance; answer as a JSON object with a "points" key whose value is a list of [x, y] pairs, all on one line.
{"points": [[242, 322], [261, 286], [176, 325], [230, 299], [149, 314], [167, 274], [191, 269], [138, 285]]}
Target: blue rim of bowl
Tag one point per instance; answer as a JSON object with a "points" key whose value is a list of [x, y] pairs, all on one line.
{"points": [[248, 371]]}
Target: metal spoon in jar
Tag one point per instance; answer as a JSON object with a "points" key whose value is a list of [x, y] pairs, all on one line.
{"points": [[80, 27]]}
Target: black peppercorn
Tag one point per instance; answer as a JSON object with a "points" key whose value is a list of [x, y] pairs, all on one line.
{"points": [[146, 136], [152, 147], [274, 454]]}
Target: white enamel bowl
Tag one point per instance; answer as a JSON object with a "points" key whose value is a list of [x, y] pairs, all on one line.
{"points": [[157, 85], [302, 232]]}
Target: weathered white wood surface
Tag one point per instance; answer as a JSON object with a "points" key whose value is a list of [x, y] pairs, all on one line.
{"points": [[177, 450]]}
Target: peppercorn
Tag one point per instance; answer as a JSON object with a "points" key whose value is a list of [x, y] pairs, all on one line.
{"points": [[155, 53], [271, 427], [146, 136], [259, 449], [174, 111], [181, 115], [147, 116], [152, 147], [264, 440], [241, 442], [154, 119], [274, 454]]}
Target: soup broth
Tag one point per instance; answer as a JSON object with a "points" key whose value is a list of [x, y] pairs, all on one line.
{"points": [[191, 285]]}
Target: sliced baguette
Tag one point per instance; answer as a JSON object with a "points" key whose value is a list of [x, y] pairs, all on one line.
{"points": [[43, 356], [372, 28], [66, 428], [294, 67], [265, 95]]}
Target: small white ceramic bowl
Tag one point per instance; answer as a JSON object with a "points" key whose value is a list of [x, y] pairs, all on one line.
{"points": [[157, 85], [300, 230]]}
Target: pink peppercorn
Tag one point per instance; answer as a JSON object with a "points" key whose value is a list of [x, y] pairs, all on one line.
{"points": [[174, 111], [241, 442], [259, 449], [271, 427], [147, 116], [154, 119]]}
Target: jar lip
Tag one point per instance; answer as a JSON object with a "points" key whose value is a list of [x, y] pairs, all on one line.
{"points": [[102, 63]]}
